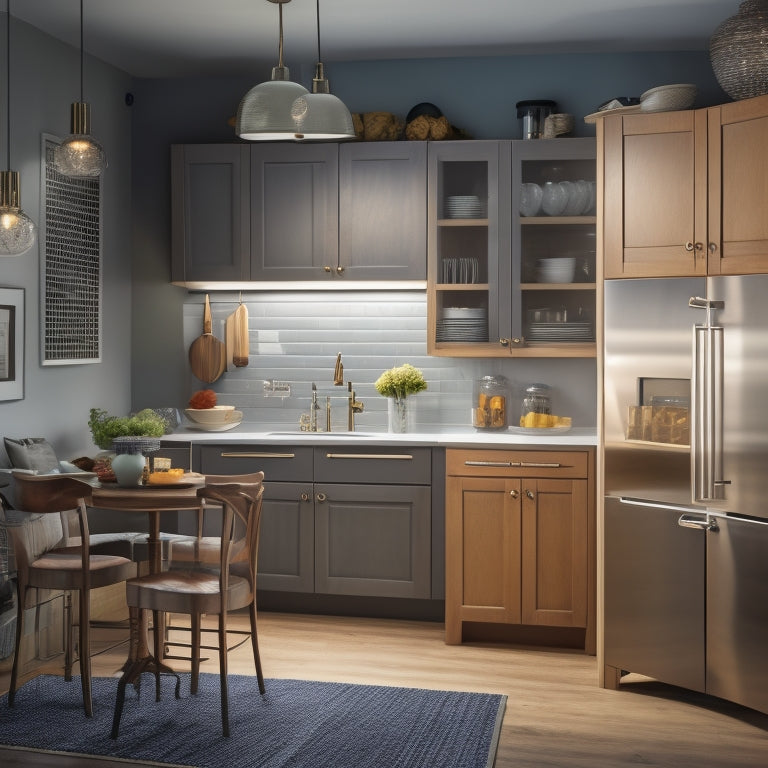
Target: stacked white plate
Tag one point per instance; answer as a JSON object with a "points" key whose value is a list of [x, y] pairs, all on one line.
{"points": [[560, 332], [462, 324], [464, 207]]}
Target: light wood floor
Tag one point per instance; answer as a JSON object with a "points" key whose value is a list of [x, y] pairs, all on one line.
{"points": [[556, 715]]}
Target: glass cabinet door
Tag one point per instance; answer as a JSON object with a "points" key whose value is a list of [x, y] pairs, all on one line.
{"points": [[553, 245], [463, 210]]}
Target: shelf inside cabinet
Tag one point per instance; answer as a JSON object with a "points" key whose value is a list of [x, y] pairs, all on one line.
{"points": [[461, 287], [556, 220], [557, 286], [462, 222]]}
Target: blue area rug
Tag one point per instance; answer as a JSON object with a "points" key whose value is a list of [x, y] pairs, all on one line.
{"points": [[297, 723]]}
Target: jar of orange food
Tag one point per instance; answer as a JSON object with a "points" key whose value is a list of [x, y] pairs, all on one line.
{"points": [[490, 398]]}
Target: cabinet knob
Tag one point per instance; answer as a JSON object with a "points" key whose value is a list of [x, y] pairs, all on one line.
{"points": [[713, 248], [514, 494], [689, 246], [504, 342], [529, 493], [326, 268], [699, 246], [305, 497], [321, 497], [339, 270]]}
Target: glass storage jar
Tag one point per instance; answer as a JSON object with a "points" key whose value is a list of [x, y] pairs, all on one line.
{"points": [[537, 402], [490, 398]]}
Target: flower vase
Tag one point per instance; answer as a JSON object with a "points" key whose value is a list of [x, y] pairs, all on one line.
{"points": [[128, 469], [400, 414]]}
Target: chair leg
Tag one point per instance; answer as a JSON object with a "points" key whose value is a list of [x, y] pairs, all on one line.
{"points": [[223, 673], [255, 645], [85, 649], [157, 632], [68, 624], [21, 597], [194, 629]]}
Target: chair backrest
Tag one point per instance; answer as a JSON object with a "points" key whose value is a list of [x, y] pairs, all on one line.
{"points": [[240, 497], [42, 502]]}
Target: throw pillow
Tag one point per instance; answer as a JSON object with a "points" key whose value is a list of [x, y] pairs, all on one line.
{"points": [[33, 453]]}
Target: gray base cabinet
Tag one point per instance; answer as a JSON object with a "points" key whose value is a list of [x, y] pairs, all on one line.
{"points": [[322, 534]]}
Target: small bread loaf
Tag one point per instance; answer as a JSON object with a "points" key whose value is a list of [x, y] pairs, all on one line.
{"points": [[418, 129]]}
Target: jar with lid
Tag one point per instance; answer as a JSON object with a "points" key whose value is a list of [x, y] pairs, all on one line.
{"points": [[490, 397], [537, 403]]}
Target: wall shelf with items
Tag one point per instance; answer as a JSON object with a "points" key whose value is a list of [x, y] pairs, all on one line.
{"points": [[553, 245]]}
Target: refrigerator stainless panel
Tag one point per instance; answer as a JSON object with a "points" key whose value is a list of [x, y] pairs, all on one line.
{"points": [[648, 335], [654, 594], [737, 611], [744, 319]]}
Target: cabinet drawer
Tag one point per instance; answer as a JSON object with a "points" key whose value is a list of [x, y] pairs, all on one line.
{"points": [[278, 462], [495, 463], [358, 464]]}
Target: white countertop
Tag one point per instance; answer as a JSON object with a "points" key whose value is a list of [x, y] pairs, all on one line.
{"points": [[452, 437]]}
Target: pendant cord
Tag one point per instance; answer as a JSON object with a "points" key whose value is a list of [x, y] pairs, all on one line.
{"points": [[8, 85], [82, 52], [319, 58], [280, 39]]}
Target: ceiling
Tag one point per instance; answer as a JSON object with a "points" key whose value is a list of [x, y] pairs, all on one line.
{"points": [[176, 38]]}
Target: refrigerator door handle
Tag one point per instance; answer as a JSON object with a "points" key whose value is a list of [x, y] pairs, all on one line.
{"points": [[700, 523], [707, 414]]}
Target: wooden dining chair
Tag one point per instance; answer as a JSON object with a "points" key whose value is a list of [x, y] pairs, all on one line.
{"points": [[210, 575], [43, 500]]}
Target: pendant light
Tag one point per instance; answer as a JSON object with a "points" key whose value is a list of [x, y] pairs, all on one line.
{"points": [[79, 155], [17, 230], [320, 114], [264, 113]]}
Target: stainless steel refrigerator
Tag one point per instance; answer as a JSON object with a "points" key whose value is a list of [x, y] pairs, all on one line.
{"points": [[686, 483]]}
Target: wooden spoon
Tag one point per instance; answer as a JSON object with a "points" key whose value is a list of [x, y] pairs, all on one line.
{"points": [[207, 354]]}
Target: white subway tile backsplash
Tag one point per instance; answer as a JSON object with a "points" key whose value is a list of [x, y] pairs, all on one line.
{"points": [[295, 337]]}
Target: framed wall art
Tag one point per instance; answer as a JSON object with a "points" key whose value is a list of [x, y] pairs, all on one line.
{"points": [[70, 273], [11, 343]]}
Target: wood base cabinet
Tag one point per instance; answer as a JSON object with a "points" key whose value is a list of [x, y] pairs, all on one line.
{"points": [[520, 540]]}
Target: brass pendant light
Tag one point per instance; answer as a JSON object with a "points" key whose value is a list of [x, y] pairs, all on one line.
{"points": [[264, 113], [320, 114], [17, 230], [79, 155]]}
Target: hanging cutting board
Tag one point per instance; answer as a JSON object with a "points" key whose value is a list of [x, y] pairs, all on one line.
{"points": [[207, 354], [237, 338]]}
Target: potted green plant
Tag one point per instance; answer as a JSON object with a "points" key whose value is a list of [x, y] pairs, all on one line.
{"points": [[130, 437], [397, 384]]}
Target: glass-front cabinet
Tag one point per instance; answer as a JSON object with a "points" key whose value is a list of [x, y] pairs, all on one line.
{"points": [[512, 248]]}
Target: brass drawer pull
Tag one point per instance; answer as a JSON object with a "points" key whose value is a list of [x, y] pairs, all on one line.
{"points": [[495, 464], [256, 455], [396, 456]]}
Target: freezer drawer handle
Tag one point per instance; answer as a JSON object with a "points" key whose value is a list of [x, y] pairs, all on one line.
{"points": [[701, 523], [399, 456], [250, 455], [493, 464]]}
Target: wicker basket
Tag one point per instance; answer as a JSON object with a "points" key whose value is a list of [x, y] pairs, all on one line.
{"points": [[668, 98], [557, 125]]}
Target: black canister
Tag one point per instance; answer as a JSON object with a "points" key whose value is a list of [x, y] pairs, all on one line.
{"points": [[533, 114]]}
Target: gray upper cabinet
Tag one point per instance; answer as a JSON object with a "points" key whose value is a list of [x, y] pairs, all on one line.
{"points": [[294, 211], [383, 210], [210, 212], [320, 213]]}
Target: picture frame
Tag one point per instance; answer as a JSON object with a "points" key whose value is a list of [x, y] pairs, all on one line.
{"points": [[11, 343]]}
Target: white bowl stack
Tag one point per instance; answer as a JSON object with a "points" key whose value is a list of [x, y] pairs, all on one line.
{"points": [[557, 269], [219, 417]]}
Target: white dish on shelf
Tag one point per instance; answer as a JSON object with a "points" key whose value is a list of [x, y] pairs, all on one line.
{"points": [[530, 199]]}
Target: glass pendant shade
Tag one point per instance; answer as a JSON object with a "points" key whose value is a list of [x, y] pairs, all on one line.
{"points": [[17, 230], [79, 155], [320, 114], [265, 113]]}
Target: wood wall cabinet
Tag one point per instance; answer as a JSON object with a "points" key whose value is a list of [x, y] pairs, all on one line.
{"points": [[483, 288], [344, 521], [281, 212], [685, 192], [520, 540]]}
